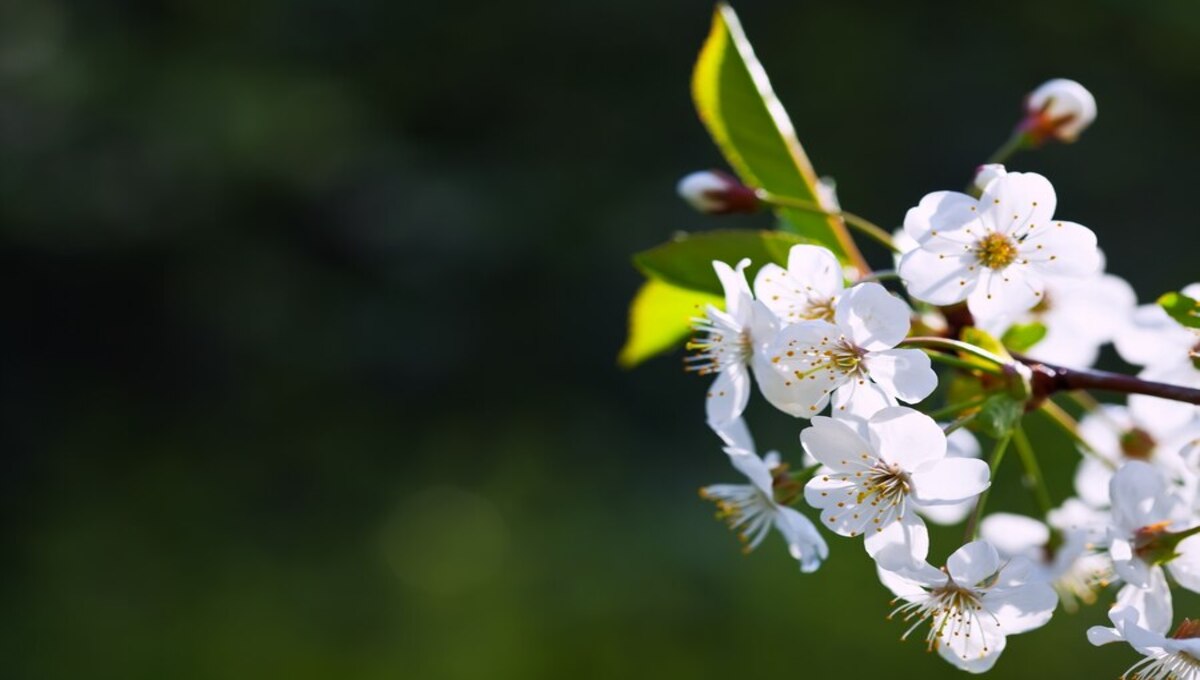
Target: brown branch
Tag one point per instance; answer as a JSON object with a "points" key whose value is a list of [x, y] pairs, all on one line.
{"points": [[1048, 379]]}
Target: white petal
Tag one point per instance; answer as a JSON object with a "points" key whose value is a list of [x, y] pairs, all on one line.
{"points": [[1014, 534], [736, 435], [1092, 479], [962, 444], [737, 291], [906, 437], [949, 514], [972, 563], [804, 543], [1152, 603], [1139, 497], [1063, 248], [1016, 202], [855, 402], [883, 543], [905, 374], [949, 480], [835, 444], [938, 278], [1129, 566], [1022, 608], [871, 317], [1005, 292], [974, 653], [940, 210], [728, 395], [1186, 567], [749, 464]]}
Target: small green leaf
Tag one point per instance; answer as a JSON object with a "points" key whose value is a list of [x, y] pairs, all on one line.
{"points": [[1020, 337], [999, 415], [983, 340], [660, 318], [687, 260], [737, 105], [1182, 308]]}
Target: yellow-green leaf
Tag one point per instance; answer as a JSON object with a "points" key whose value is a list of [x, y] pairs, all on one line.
{"points": [[686, 261], [660, 318], [736, 103]]}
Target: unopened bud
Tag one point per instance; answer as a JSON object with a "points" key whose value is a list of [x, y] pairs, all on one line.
{"points": [[717, 193], [1058, 109], [984, 174]]}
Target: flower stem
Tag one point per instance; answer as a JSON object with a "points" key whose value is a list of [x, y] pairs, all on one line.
{"points": [[960, 421], [950, 360], [993, 463], [926, 342], [863, 225], [880, 275], [1019, 140], [955, 408], [1067, 424], [1033, 472]]}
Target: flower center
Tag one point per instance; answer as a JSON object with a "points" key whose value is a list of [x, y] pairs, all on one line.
{"points": [[953, 612], [744, 509], [820, 310], [887, 484], [1137, 444], [995, 251], [717, 346]]}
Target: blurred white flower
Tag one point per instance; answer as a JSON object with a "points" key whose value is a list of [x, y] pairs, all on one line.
{"points": [[1058, 109], [717, 193], [1080, 315], [1167, 350], [1061, 559], [1146, 516], [852, 359], [877, 475], [972, 605], [993, 252], [1119, 434], [753, 509]]}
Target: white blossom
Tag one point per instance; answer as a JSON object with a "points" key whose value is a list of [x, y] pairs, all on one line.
{"points": [[876, 476], [995, 251], [1174, 657], [753, 509], [1060, 558], [1118, 434], [808, 289], [959, 444], [853, 359], [1168, 351], [972, 605]]}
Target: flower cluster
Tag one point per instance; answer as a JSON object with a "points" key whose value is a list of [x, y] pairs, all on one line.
{"points": [[1014, 304]]}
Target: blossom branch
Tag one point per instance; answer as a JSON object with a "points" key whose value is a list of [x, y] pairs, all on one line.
{"points": [[1049, 379]]}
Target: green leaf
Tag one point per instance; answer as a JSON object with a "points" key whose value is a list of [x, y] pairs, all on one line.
{"points": [[737, 105], [999, 415], [660, 318], [687, 260], [1182, 308], [1020, 337], [983, 340]]}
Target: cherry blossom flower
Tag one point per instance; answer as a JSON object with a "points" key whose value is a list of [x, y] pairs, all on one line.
{"points": [[808, 289], [1079, 314], [877, 474], [1118, 434], [1168, 351], [1174, 657], [1144, 530], [753, 509], [995, 251], [730, 342], [1058, 109], [1059, 558], [851, 359], [972, 605], [717, 193]]}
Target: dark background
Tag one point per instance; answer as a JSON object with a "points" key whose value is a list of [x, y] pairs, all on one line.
{"points": [[312, 310]]}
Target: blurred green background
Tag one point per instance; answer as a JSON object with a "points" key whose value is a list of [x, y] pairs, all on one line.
{"points": [[312, 311]]}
